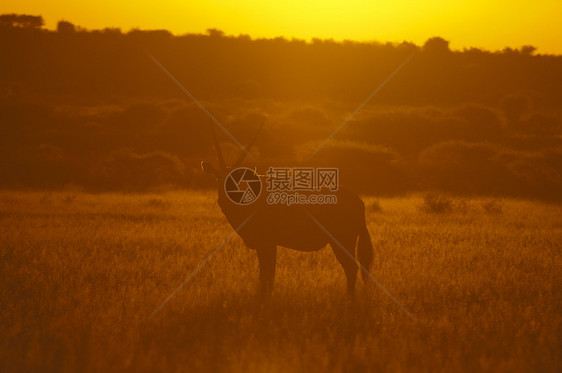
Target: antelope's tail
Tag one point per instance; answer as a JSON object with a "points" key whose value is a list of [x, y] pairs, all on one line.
{"points": [[364, 249]]}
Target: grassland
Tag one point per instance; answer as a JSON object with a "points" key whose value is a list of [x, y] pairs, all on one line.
{"points": [[81, 273]]}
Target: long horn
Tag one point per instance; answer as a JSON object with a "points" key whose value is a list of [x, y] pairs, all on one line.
{"points": [[222, 165], [244, 154]]}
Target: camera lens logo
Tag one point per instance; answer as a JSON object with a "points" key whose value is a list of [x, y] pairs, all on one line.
{"points": [[242, 186]]}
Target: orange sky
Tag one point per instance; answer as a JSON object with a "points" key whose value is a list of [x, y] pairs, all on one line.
{"points": [[488, 24]]}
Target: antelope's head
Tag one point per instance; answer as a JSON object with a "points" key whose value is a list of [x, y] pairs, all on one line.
{"points": [[223, 170]]}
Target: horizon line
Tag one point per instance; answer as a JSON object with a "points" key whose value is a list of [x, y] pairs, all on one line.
{"points": [[309, 40]]}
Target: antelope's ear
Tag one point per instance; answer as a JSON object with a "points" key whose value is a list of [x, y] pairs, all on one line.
{"points": [[209, 169]]}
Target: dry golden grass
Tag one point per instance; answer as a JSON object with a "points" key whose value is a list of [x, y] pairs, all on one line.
{"points": [[80, 274]]}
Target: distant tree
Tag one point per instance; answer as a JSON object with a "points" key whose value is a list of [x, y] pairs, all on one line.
{"points": [[436, 45], [213, 32], [136, 33], [244, 37], [112, 31], [472, 51], [509, 51], [407, 45], [515, 108], [65, 27], [21, 20], [528, 50]]}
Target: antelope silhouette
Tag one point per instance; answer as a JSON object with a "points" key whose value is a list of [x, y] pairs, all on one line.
{"points": [[307, 228]]}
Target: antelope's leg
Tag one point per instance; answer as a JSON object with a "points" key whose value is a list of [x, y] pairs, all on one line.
{"points": [[267, 257], [349, 265]]}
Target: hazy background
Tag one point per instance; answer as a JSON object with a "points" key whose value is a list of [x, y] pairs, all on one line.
{"points": [[89, 110], [449, 155]]}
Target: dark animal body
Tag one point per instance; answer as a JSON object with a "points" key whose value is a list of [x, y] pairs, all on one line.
{"points": [[301, 227]]}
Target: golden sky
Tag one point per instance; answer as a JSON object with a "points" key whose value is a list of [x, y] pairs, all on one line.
{"points": [[481, 23]]}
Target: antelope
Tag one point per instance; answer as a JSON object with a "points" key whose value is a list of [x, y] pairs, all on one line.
{"points": [[307, 228]]}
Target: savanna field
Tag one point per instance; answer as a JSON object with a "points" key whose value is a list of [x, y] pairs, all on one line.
{"points": [[81, 274]]}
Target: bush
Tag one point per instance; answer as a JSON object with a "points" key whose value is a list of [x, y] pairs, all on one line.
{"points": [[69, 199], [157, 203], [374, 206], [493, 206], [126, 170], [437, 203]]}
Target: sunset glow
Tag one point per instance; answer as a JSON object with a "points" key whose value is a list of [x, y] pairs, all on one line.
{"points": [[292, 186], [484, 24]]}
